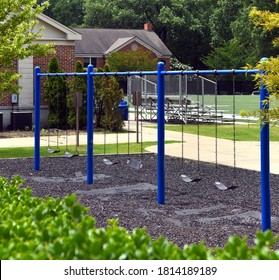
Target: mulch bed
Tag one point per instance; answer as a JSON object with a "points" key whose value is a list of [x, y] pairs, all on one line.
{"points": [[192, 211]]}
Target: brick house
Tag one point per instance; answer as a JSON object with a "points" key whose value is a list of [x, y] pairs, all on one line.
{"points": [[64, 39], [97, 44], [87, 45]]}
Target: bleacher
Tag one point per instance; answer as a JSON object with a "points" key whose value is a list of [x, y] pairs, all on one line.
{"points": [[179, 105], [178, 110]]}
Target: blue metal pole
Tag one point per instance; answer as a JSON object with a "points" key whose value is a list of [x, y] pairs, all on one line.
{"points": [[37, 88], [90, 94], [265, 161], [161, 133]]}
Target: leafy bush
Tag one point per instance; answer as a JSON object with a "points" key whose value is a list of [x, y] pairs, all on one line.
{"points": [[55, 95], [53, 228], [77, 85], [108, 95]]}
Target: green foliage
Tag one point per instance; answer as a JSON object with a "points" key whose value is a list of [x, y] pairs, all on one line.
{"points": [[138, 60], [229, 56], [237, 248], [191, 29], [60, 229], [175, 64], [70, 12], [55, 95], [219, 24], [268, 20], [67, 12], [181, 25], [17, 39], [77, 85], [108, 95], [234, 38]]}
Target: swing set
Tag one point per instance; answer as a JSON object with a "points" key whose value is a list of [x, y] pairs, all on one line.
{"points": [[218, 183], [132, 161], [50, 149], [161, 73]]}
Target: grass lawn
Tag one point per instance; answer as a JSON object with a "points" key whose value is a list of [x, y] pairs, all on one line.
{"points": [[82, 150], [244, 132], [225, 102]]}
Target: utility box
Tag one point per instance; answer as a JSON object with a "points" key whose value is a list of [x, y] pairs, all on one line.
{"points": [[21, 120], [1, 121]]}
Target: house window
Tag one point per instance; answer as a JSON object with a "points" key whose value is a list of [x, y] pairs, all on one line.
{"points": [[134, 47], [89, 60]]}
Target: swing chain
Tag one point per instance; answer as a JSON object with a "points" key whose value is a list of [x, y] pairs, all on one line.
{"points": [[234, 132], [117, 142], [141, 139], [198, 124], [128, 136], [216, 129], [182, 145], [105, 139]]}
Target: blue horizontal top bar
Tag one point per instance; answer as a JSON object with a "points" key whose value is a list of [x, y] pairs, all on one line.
{"points": [[211, 72], [62, 74], [154, 73]]}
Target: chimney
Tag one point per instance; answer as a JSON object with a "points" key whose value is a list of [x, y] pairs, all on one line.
{"points": [[148, 26]]}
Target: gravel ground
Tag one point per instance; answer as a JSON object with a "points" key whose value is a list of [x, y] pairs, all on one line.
{"points": [[193, 211]]}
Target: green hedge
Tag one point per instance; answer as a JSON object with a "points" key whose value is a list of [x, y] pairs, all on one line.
{"points": [[53, 228]]}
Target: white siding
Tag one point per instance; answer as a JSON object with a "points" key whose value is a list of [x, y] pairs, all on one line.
{"points": [[25, 68], [50, 32]]}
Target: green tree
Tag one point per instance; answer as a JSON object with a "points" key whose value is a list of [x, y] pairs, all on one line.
{"points": [[77, 87], [55, 95], [49, 9], [189, 40], [112, 14], [69, 12], [181, 25], [229, 56], [137, 60], [223, 15], [235, 41], [269, 21], [108, 95], [17, 38], [175, 64]]}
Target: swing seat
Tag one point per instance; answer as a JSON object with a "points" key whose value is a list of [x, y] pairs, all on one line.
{"points": [[187, 179], [134, 163], [222, 187], [69, 155], [109, 162], [51, 151]]}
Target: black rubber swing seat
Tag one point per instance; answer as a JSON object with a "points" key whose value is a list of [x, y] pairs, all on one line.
{"points": [[223, 187], [109, 162], [134, 163], [69, 155], [187, 179], [52, 151]]}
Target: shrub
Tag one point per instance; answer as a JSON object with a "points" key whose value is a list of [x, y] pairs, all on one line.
{"points": [[53, 228], [108, 95], [55, 95], [77, 85]]}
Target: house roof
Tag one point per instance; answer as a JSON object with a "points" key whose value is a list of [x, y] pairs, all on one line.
{"points": [[97, 42], [119, 43], [54, 30]]}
